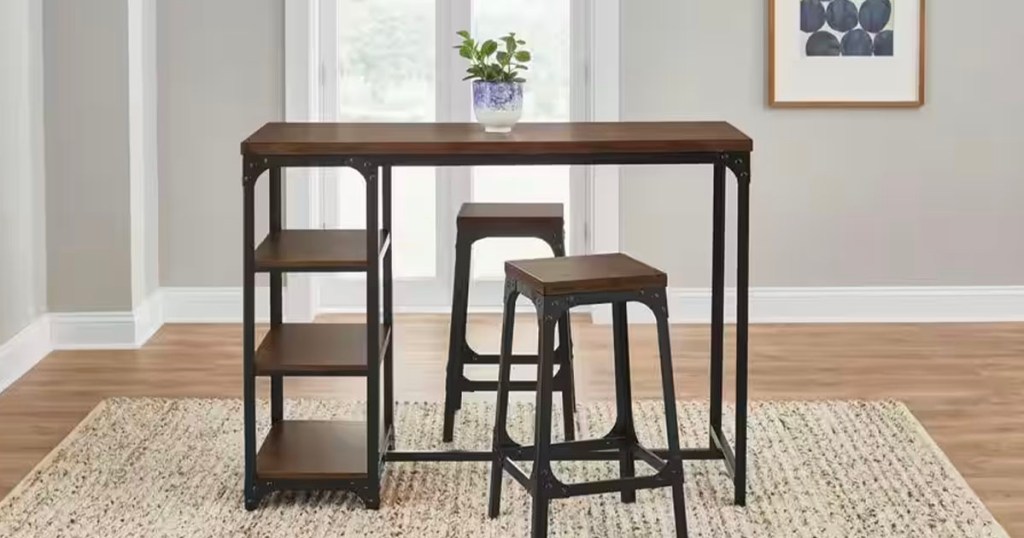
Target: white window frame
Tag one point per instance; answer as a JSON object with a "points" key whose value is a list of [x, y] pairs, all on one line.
{"points": [[595, 97]]}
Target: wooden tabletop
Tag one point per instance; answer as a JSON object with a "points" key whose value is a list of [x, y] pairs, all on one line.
{"points": [[433, 139]]}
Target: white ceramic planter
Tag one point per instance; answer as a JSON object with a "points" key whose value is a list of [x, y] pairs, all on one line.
{"points": [[497, 105]]}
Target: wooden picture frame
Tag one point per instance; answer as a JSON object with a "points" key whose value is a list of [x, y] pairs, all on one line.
{"points": [[794, 67]]}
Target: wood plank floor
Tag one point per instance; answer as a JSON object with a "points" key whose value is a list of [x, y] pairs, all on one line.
{"points": [[965, 383]]}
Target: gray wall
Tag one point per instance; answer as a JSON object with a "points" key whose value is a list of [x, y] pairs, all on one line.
{"points": [[87, 152], [221, 76], [22, 174], [840, 198]]}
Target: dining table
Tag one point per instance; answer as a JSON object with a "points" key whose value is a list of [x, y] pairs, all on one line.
{"points": [[353, 455]]}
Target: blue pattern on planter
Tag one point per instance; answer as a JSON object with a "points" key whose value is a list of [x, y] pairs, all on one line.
{"points": [[497, 95]]}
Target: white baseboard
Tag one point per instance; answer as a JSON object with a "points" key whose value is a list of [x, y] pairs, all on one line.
{"points": [[938, 304], [19, 354], [130, 330], [210, 305], [945, 304], [107, 330], [93, 330]]}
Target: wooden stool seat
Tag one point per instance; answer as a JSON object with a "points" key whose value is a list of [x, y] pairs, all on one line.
{"points": [[511, 220], [585, 274]]}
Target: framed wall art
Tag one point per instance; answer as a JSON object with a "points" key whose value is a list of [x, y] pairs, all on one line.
{"points": [[846, 53]]}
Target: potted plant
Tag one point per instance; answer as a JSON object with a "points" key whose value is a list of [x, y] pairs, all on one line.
{"points": [[497, 82]]}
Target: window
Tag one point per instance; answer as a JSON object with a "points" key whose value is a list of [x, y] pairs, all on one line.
{"points": [[383, 63], [544, 25], [385, 72]]}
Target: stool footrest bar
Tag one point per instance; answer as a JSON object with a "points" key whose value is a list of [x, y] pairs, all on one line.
{"points": [[689, 454], [470, 385], [471, 357], [612, 485], [596, 449]]}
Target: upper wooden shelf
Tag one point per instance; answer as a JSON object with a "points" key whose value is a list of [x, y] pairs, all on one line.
{"points": [[315, 250], [526, 139]]}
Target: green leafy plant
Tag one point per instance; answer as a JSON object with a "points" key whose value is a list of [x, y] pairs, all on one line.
{"points": [[489, 64]]}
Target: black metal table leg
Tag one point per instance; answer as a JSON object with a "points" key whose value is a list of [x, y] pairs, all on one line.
{"points": [[252, 496], [717, 302], [389, 317], [371, 493], [742, 171], [276, 292]]}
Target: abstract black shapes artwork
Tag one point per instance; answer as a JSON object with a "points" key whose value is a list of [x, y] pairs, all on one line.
{"points": [[823, 44], [857, 43], [883, 43], [842, 15], [847, 27], [812, 15]]}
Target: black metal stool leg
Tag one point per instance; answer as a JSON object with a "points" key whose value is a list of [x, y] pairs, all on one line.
{"points": [[566, 377], [623, 397], [675, 459], [501, 436], [542, 475], [457, 336]]}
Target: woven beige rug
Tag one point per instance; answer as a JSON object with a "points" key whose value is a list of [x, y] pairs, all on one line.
{"points": [[155, 467]]}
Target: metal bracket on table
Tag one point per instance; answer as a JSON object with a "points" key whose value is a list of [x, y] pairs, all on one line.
{"points": [[365, 168], [253, 168], [738, 163]]}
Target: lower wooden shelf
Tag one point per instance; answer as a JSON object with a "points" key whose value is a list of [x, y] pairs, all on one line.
{"points": [[313, 450]]}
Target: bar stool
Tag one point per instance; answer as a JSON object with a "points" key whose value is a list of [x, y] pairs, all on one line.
{"points": [[478, 221], [556, 285]]}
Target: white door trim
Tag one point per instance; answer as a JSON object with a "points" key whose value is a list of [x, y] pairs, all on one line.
{"points": [[302, 103]]}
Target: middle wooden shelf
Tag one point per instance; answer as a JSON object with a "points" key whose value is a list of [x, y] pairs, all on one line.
{"points": [[316, 349]]}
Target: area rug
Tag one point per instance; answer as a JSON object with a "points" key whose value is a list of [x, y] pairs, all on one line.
{"points": [[161, 467]]}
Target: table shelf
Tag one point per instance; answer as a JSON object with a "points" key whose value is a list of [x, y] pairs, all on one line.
{"points": [[314, 454], [316, 349], [337, 251], [313, 450]]}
